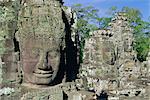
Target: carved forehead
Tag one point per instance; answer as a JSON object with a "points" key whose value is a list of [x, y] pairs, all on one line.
{"points": [[40, 41]]}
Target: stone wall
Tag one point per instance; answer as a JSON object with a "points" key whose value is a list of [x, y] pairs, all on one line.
{"points": [[110, 62], [8, 27]]}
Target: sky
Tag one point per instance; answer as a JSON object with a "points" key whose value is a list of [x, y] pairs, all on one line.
{"points": [[104, 5]]}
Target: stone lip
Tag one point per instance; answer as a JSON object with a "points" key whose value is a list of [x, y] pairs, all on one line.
{"points": [[43, 74]]}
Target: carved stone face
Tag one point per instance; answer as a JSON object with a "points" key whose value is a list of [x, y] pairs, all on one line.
{"points": [[108, 52], [40, 60], [40, 30], [128, 45]]}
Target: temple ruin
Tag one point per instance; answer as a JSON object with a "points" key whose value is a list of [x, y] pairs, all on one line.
{"points": [[39, 56], [110, 63]]}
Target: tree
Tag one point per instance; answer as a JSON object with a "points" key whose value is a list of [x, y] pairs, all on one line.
{"points": [[86, 19], [142, 47], [86, 16]]}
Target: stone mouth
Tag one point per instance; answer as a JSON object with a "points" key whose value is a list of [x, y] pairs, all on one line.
{"points": [[43, 74]]}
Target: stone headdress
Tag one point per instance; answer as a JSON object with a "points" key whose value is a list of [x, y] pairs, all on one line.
{"points": [[41, 19]]}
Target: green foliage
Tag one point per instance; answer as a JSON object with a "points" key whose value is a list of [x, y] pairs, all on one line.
{"points": [[86, 16], [103, 22], [112, 10], [142, 47]]}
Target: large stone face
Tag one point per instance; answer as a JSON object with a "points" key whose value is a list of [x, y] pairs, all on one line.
{"points": [[47, 26], [40, 60], [36, 54], [41, 31]]}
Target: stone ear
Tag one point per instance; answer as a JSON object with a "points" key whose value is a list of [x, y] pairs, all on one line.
{"points": [[17, 36]]}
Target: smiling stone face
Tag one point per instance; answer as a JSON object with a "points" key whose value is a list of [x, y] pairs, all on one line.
{"points": [[40, 34], [40, 62]]}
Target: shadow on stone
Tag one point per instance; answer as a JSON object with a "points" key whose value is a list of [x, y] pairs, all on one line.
{"points": [[103, 96], [72, 68]]}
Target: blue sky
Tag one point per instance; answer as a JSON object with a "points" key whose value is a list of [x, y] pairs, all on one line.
{"points": [[104, 5]]}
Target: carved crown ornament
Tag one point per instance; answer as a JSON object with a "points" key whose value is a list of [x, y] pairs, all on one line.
{"points": [[41, 23]]}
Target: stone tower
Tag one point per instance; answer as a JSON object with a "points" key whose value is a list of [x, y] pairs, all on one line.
{"points": [[110, 62], [122, 37]]}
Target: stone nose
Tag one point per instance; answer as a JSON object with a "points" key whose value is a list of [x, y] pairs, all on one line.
{"points": [[43, 63]]}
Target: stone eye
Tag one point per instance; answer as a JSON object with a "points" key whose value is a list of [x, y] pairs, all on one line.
{"points": [[36, 52], [52, 54]]}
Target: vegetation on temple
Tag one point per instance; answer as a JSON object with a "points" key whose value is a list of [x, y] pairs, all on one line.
{"points": [[88, 20]]}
